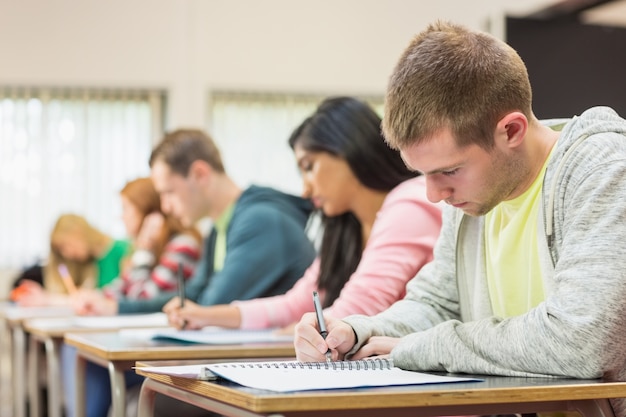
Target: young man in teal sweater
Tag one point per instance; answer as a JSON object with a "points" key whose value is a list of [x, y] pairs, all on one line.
{"points": [[257, 247]]}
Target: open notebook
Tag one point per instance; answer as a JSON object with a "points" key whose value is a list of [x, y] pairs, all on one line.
{"points": [[286, 376], [221, 336], [123, 321]]}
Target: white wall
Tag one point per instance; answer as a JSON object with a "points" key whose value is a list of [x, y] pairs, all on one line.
{"points": [[7, 277], [191, 46]]}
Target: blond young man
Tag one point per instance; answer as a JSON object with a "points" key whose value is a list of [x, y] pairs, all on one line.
{"points": [[528, 273]]}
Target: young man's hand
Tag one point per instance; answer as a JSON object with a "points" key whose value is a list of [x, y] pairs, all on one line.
{"points": [[310, 345]]}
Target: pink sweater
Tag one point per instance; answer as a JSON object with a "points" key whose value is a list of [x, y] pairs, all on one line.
{"points": [[401, 242]]}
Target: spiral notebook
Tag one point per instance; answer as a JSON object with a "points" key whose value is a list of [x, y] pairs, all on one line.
{"points": [[286, 376]]}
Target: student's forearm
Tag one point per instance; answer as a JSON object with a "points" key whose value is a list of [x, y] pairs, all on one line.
{"points": [[58, 300], [223, 315]]}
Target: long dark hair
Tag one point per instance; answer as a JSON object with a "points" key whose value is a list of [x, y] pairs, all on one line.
{"points": [[350, 129]]}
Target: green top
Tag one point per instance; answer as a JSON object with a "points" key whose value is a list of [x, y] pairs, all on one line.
{"points": [[109, 265]]}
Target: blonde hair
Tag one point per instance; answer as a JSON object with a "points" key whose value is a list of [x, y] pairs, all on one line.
{"points": [[451, 77], [83, 272]]}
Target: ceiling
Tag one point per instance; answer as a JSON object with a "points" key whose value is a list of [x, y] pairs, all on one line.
{"points": [[600, 12], [610, 14]]}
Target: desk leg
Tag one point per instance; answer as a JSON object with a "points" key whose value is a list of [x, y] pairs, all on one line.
{"points": [[79, 388], [7, 351], [55, 393], [146, 399], [593, 408], [34, 396], [19, 369], [5, 354], [118, 390]]}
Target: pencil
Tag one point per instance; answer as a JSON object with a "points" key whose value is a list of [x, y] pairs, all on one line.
{"points": [[67, 280]]}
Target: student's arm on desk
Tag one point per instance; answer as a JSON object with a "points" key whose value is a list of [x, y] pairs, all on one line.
{"points": [[283, 309], [193, 316], [94, 303], [262, 248], [577, 332], [432, 295], [311, 346], [151, 305], [32, 294]]}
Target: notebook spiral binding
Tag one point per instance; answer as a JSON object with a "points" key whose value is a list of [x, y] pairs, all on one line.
{"points": [[363, 364]]}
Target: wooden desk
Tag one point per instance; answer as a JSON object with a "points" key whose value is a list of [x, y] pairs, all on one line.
{"points": [[50, 332], [119, 351], [13, 318], [495, 395]]}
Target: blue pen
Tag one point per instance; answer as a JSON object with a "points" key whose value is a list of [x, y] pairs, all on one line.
{"points": [[321, 323]]}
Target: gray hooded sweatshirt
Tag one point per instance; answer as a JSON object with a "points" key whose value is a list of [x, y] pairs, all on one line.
{"points": [[446, 322]]}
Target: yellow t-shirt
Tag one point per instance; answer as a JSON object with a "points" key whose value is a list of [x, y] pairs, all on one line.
{"points": [[221, 226], [512, 256]]}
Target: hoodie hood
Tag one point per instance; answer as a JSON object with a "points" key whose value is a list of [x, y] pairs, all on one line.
{"points": [[591, 122], [585, 140], [290, 205]]}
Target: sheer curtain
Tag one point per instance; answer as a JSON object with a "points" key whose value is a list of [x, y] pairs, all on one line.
{"points": [[252, 130], [68, 150]]}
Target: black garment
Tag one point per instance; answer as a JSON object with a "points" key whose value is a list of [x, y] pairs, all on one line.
{"points": [[33, 272]]}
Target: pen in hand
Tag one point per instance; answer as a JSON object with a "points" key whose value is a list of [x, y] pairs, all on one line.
{"points": [[321, 323], [181, 289]]}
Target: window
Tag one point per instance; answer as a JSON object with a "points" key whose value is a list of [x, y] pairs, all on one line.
{"points": [[68, 150], [252, 130]]}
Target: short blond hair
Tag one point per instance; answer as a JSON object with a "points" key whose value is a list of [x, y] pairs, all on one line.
{"points": [[452, 77]]}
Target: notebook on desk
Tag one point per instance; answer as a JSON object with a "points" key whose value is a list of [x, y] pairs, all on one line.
{"points": [[222, 336], [289, 376], [121, 321], [102, 322]]}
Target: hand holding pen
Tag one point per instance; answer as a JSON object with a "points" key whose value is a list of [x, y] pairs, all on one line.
{"points": [[191, 317], [340, 338], [321, 322]]}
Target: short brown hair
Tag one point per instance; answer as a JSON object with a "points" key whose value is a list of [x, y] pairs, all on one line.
{"points": [[451, 77], [180, 148]]}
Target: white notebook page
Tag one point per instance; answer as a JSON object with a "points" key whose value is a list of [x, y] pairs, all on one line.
{"points": [[285, 376]]}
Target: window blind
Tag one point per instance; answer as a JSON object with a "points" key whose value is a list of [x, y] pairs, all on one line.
{"points": [[69, 150]]}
